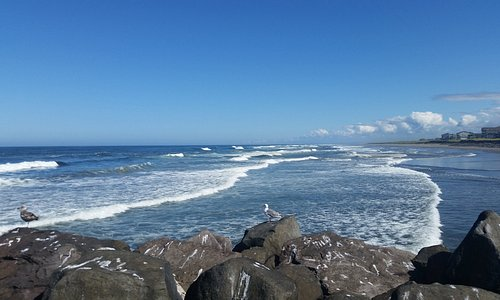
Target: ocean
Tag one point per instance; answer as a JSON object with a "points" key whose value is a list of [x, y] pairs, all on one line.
{"points": [[406, 197]]}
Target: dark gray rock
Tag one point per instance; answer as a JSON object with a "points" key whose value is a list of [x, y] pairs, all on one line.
{"points": [[113, 275], [262, 255], [415, 291], [306, 280], [241, 278], [189, 258], [345, 296], [430, 264], [28, 257], [350, 265], [476, 261], [270, 236]]}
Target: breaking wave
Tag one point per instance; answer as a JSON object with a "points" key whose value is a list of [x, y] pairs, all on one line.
{"points": [[28, 165]]}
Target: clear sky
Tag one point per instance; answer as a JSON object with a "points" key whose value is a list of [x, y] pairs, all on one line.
{"points": [[96, 72]]}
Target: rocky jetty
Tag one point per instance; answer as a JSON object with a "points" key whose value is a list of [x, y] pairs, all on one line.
{"points": [[272, 261]]}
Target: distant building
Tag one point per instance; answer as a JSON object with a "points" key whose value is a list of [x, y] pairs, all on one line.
{"points": [[465, 135], [486, 133], [448, 136], [490, 132]]}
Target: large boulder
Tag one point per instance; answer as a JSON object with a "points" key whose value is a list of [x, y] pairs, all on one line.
{"points": [[412, 290], [113, 275], [430, 264], [350, 265], [189, 258], [476, 261], [264, 241], [305, 279], [29, 256], [241, 278]]}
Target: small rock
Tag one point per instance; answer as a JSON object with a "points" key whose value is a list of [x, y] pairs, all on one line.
{"points": [[430, 264]]}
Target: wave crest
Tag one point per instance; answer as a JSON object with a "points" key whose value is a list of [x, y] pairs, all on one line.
{"points": [[28, 165]]}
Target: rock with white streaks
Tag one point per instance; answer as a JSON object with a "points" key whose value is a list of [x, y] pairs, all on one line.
{"points": [[189, 258], [112, 275], [350, 265], [270, 235], [242, 278], [264, 241], [29, 256], [412, 290]]}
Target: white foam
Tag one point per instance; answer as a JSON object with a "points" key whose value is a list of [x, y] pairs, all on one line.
{"points": [[281, 160], [134, 167], [238, 148], [27, 165], [250, 155], [174, 155], [5, 182], [195, 184], [206, 149], [430, 229]]}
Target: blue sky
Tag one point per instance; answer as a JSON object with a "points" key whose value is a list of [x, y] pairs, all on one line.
{"points": [[239, 72]]}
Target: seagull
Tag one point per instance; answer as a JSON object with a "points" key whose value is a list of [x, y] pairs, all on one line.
{"points": [[26, 215], [271, 213]]}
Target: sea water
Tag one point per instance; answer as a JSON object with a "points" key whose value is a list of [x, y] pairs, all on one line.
{"points": [[391, 196]]}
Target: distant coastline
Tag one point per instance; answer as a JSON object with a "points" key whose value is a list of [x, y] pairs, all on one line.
{"points": [[486, 144]]}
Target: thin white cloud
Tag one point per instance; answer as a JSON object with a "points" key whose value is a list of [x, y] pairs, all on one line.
{"points": [[321, 132], [493, 96]]}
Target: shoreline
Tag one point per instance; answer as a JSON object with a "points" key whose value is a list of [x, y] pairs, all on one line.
{"points": [[458, 145]]}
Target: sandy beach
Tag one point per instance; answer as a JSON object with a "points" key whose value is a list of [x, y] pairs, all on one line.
{"points": [[495, 147]]}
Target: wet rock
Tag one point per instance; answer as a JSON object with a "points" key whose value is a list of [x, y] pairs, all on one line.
{"points": [[189, 258], [113, 275], [430, 264], [271, 236], [412, 290], [306, 280], [29, 256], [476, 261], [242, 278], [350, 265]]}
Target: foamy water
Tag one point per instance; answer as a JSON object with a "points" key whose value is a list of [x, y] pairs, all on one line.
{"points": [[139, 193]]}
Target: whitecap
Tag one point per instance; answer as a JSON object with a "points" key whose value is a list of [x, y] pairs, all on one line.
{"points": [[174, 155], [206, 149], [27, 165], [238, 148], [16, 181]]}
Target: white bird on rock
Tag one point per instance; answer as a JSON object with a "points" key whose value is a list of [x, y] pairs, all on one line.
{"points": [[270, 213], [26, 215]]}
